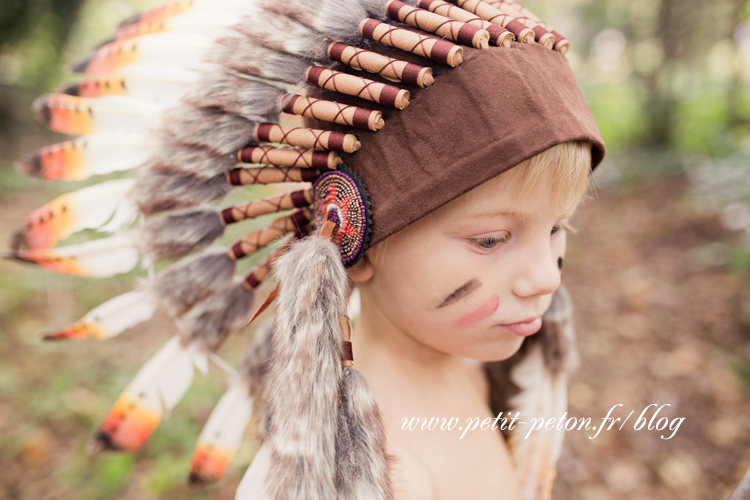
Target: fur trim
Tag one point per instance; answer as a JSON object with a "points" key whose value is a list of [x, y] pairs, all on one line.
{"points": [[361, 457], [254, 370], [211, 321], [305, 372], [179, 233]]}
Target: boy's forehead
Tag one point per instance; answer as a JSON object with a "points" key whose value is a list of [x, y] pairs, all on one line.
{"points": [[499, 197]]}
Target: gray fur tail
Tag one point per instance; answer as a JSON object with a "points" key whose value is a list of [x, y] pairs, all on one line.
{"points": [[361, 457], [303, 389]]}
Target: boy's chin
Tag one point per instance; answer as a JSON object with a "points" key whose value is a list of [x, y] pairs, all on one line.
{"points": [[496, 351]]}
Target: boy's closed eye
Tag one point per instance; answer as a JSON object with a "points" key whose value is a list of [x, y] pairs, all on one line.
{"points": [[489, 242]]}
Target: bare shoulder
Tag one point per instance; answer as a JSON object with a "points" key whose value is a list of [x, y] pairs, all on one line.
{"points": [[409, 477]]}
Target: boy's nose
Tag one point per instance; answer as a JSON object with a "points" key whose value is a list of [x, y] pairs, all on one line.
{"points": [[537, 274]]}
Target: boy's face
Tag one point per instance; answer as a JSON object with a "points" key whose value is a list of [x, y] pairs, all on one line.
{"points": [[455, 279]]}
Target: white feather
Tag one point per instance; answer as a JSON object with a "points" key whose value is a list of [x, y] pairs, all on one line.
{"points": [[122, 312], [227, 423], [180, 50], [156, 83], [114, 113], [541, 396], [103, 154], [165, 378], [97, 259], [252, 486]]}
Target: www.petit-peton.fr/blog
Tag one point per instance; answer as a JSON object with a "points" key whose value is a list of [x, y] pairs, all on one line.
{"points": [[648, 419]]}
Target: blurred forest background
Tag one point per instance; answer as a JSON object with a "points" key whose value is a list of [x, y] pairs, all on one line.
{"points": [[659, 270]]}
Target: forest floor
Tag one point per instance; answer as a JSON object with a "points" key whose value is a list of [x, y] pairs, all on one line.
{"points": [[662, 296]]}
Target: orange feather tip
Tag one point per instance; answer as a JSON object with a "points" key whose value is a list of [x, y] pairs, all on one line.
{"points": [[63, 161], [159, 13], [30, 165], [95, 87], [49, 261], [106, 59], [128, 425], [64, 113], [46, 225], [141, 28], [209, 464], [78, 331]]}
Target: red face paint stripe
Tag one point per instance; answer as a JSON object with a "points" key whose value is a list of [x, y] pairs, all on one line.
{"points": [[482, 312]]}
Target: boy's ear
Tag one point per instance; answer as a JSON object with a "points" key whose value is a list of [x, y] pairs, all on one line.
{"points": [[361, 271]]}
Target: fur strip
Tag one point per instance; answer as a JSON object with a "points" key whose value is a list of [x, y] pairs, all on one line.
{"points": [[246, 56], [254, 370], [160, 190], [234, 94], [285, 34], [179, 233], [211, 129], [361, 457], [212, 320], [303, 389], [187, 282]]}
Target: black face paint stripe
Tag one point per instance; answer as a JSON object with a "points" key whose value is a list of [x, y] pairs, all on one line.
{"points": [[559, 262], [461, 292]]}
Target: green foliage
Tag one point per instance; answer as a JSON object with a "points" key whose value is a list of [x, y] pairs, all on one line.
{"points": [[739, 260], [620, 112]]}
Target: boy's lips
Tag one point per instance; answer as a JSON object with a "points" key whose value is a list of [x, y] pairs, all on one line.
{"points": [[526, 327]]}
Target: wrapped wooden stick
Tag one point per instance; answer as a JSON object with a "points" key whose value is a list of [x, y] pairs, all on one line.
{"points": [[498, 35], [307, 138], [329, 111], [541, 34], [262, 270], [387, 67], [289, 157], [444, 27], [381, 93], [259, 238], [436, 49], [493, 15], [270, 175], [296, 199], [561, 43]]}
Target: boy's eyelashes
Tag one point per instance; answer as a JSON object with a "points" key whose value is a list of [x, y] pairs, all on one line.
{"points": [[490, 242]]}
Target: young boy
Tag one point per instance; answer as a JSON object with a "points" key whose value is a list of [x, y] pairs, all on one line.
{"points": [[466, 283]]}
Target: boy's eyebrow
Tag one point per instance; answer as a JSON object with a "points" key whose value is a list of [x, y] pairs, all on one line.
{"points": [[461, 292], [489, 212]]}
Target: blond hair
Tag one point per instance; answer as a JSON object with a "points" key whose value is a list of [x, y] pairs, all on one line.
{"points": [[567, 167]]}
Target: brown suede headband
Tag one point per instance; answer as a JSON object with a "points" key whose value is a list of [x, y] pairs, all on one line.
{"points": [[497, 109]]}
